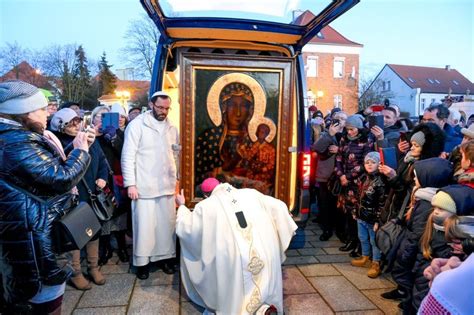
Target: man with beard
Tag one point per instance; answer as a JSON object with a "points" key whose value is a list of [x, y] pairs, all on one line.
{"points": [[149, 159]]}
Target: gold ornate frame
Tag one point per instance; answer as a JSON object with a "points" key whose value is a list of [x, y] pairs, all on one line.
{"points": [[189, 63]]}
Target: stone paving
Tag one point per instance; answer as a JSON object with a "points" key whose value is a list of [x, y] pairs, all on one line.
{"points": [[317, 279]]}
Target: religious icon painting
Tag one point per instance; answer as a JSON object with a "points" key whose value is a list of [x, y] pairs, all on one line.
{"points": [[233, 113]]}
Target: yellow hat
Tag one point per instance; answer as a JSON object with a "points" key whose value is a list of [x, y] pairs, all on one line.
{"points": [[444, 201]]}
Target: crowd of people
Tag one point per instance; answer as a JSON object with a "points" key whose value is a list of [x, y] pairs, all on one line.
{"points": [[428, 195], [48, 152]]}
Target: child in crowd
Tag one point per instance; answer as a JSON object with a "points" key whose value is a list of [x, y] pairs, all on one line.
{"points": [[430, 175], [450, 201], [467, 164], [372, 200]]}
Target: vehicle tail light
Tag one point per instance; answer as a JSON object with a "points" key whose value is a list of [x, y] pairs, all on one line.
{"points": [[306, 170]]}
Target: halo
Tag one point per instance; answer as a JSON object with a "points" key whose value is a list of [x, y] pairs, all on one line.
{"points": [[253, 125], [213, 108]]}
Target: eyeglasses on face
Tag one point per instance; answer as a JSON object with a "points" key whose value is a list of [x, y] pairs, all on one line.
{"points": [[161, 108]]}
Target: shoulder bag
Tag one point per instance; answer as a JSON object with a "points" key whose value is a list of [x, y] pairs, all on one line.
{"points": [[74, 225], [102, 202]]}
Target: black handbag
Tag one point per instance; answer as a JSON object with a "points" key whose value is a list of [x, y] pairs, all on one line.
{"points": [[76, 228], [103, 202], [73, 225]]}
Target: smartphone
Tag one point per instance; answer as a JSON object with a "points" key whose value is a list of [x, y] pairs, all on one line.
{"points": [[336, 122], [403, 136], [86, 121], [376, 120], [110, 119]]}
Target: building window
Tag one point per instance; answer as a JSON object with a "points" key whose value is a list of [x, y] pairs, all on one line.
{"points": [[411, 80], [338, 67], [312, 66], [423, 103], [455, 82], [386, 85], [338, 100]]}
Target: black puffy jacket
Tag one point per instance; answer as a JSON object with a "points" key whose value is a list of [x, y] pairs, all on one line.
{"points": [[372, 198], [28, 161]]}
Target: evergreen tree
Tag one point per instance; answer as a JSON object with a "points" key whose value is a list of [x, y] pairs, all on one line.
{"points": [[81, 75], [107, 80]]}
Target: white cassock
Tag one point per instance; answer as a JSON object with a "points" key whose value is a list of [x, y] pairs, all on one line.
{"points": [[227, 268]]}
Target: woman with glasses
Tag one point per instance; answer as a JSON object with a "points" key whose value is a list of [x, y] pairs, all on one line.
{"points": [[66, 124]]}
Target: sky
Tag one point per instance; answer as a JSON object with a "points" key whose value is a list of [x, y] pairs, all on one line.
{"points": [[432, 33]]}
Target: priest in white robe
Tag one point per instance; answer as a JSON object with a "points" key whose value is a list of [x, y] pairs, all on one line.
{"points": [[232, 248]]}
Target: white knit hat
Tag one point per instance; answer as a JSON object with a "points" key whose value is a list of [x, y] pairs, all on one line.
{"points": [[18, 97], [117, 108], [61, 118]]}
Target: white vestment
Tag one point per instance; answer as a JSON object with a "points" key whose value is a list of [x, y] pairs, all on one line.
{"points": [[149, 163], [227, 268]]}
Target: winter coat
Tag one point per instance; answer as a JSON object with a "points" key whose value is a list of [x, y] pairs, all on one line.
{"points": [[439, 249], [149, 156], [452, 138], [326, 160], [400, 188], [350, 157], [391, 135], [350, 162], [372, 200], [97, 168], [29, 161]]}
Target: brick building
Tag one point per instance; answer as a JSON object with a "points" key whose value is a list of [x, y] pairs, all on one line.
{"points": [[332, 69]]}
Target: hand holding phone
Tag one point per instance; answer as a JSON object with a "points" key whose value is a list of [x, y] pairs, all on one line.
{"points": [[110, 120], [403, 136]]}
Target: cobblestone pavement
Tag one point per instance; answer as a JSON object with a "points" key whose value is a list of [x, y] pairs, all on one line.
{"points": [[317, 279]]}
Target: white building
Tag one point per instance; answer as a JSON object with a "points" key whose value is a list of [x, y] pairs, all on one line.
{"points": [[414, 88]]}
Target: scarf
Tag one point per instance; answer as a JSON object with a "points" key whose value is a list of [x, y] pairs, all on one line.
{"points": [[467, 178], [409, 158], [354, 138]]}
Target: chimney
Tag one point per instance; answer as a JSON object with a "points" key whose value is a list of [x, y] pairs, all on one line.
{"points": [[448, 67]]}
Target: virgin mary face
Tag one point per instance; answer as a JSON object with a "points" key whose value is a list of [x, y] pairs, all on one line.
{"points": [[237, 112]]}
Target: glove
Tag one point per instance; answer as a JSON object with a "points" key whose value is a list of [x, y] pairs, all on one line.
{"points": [[109, 133]]}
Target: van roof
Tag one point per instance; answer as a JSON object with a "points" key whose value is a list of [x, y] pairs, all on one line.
{"points": [[243, 19]]}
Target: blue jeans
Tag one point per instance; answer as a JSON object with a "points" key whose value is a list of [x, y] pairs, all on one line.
{"points": [[367, 240]]}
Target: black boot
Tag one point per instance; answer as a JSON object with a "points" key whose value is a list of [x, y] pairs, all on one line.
{"points": [[348, 246], [105, 250], [143, 272], [396, 294], [325, 236], [122, 246], [356, 252]]}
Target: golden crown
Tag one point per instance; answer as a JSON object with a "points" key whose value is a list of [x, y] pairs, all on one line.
{"points": [[236, 89]]}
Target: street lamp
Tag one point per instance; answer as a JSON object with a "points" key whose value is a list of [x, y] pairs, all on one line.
{"points": [[124, 96]]}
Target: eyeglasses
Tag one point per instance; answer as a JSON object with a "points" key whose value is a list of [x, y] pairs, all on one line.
{"points": [[161, 108]]}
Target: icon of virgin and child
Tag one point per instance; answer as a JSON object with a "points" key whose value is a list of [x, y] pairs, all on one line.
{"points": [[239, 146]]}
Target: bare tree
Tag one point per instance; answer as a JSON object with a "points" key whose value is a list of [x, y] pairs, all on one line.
{"points": [[11, 56], [372, 93], [141, 39]]}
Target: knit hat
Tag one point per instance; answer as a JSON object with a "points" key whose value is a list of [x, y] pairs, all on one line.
{"points": [[418, 137], [468, 132], [18, 97], [463, 197], [209, 184], [373, 156], [61, 118], [117, 108], [355, 121], [312, 108], [444, 201], [134, 108]]}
